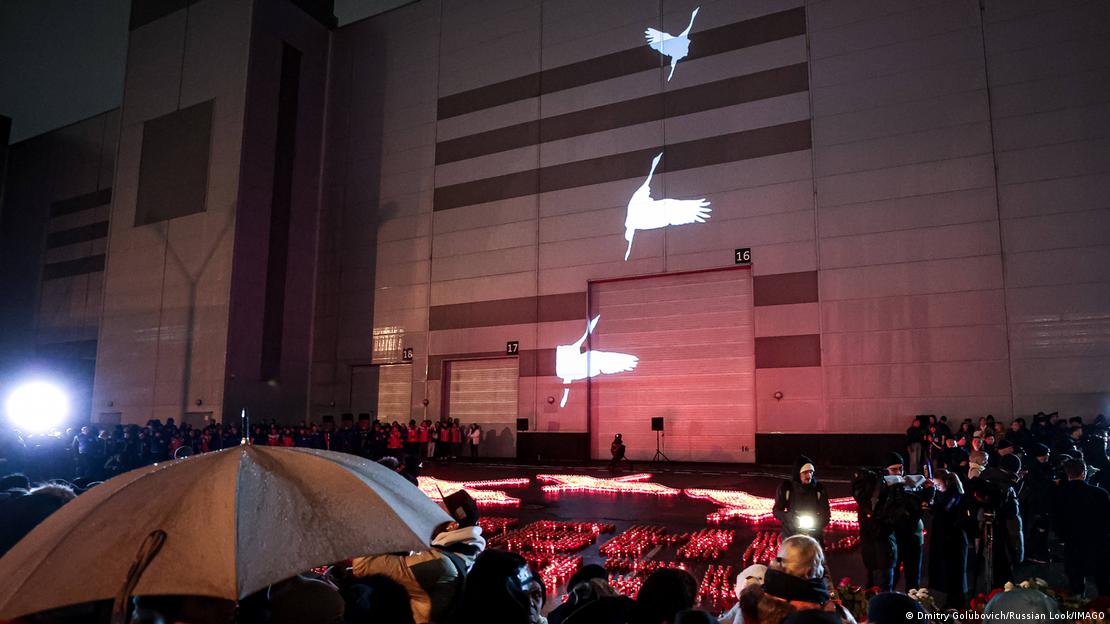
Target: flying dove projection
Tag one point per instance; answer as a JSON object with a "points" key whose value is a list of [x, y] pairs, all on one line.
{"points": [[645, 213], [669, 45], [571, 364]]}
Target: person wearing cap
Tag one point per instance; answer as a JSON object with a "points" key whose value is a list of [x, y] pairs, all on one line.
{"points": [[1036, 503], [948, 539], [901, 507], [591, 600], [1081, 518], [751, 575], [1001, 540], [892, 607], [801, 504], [434, 578]]}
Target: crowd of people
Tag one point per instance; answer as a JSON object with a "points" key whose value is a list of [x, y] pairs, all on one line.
{"points": [[95, 453], [994, 496]]}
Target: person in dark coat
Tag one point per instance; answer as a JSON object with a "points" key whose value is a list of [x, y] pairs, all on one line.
{"points": [[801, 504], [901, 507], [1082, 520], [590, 600], [877, 543], [948, 540], [1036, 503], [1002, 542]]}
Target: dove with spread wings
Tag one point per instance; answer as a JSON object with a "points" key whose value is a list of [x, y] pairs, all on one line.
{"points": [[645, 213], [669, 45], [572, 364]]}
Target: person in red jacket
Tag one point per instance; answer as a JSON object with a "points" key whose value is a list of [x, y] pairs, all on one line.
{"points": [[395, 444], [412, 439], [422, 437], [443, 449]]}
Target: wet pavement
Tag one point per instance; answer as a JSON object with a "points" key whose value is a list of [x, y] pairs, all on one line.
{"points": [[677, 514]]}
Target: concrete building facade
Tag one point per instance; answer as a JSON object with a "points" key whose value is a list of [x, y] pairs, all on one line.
{"points": [[451, 198]]}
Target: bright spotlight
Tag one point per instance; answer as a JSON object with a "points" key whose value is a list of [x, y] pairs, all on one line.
{"points": [[806, 522], [37, 407]]}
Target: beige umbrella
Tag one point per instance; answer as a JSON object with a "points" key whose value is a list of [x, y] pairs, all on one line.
{"points": [[234, 521]]}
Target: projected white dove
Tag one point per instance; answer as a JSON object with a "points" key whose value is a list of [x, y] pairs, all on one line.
{"points": [[571, 364], [645, 213], [669, 45]]}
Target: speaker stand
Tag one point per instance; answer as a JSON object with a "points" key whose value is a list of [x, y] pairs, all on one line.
{"points": [[659, 455]]}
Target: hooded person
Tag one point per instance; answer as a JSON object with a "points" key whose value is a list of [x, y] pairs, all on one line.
{"points": [[801, 504], [434, 578], [751, 575], [591, 600]]}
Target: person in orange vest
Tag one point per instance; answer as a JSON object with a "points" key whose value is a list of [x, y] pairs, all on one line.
{"points": [[412, 439], [422, 437], [395, 446]]}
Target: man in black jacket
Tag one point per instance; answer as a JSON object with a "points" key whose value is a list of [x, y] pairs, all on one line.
{"points": [[1082, 519], [801, 504], [900, 506]]}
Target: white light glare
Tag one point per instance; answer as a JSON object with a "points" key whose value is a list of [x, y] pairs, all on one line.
{"points": [[806, 522], [37, 407]]}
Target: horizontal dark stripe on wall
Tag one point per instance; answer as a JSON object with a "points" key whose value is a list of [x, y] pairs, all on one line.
{"points": [[785, 288], [81, 202], [69, 268], [768, 141], [735, 36], [518, 311], [533, 362], [81, 234], [703, 97], [788, 351], [829, 449]]}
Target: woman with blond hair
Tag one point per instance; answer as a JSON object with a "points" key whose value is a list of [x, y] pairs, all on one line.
{"points": [[796, 580]]}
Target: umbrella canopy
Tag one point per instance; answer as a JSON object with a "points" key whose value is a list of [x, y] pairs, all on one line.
{"points": [[235, 521]]}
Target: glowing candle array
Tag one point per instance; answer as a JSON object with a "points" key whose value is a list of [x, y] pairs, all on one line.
{"points": [[629, 484], [496, 525], [716, 590], [551, 537], [634, 542], [436, 489], [626, 585], [740, 505], [557, 570], [707, 544], [640, 567], [765, 546]]}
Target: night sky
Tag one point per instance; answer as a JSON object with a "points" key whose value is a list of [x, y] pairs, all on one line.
{"points": [[62, 61]]}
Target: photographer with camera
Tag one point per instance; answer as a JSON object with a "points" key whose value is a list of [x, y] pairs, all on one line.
{"points": [[1000, 543], [801, 504]]}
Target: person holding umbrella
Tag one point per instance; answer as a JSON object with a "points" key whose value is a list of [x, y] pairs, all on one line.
{"points": [[434, 578]]}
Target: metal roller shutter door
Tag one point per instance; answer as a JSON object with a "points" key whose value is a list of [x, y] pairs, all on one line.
{"points": [[694, 336], [485, 392]]}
